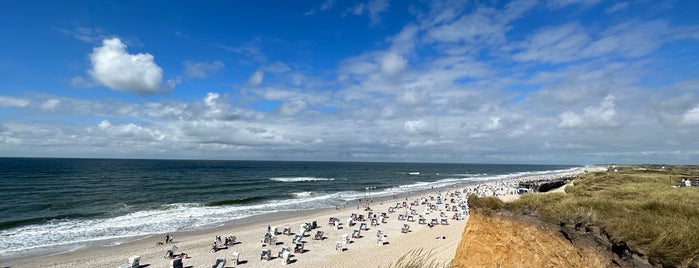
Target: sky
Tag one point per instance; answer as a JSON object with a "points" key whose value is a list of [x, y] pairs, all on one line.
{"points": [[524, 81]]}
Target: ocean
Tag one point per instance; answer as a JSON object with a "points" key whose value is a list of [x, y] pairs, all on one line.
{"points": [[63, 204]]}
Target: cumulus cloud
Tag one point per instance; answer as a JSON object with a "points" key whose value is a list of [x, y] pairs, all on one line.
{"points": [[201, 69], [419, 126], [210, 99], [256, 78], [50, 104], [115, 68], [601, 116], [392, 63], [691, 117]]}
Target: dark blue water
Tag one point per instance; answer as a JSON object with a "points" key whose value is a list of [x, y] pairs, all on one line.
{"points": [[57, 202]]}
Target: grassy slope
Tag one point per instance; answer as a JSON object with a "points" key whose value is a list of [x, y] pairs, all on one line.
{"points": [[639, 207]]}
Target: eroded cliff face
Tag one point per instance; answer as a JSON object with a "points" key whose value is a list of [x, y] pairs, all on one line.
{"points": [[497, 241]]}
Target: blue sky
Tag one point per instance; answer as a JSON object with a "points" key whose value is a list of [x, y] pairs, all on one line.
{"points": [[550, 81]]}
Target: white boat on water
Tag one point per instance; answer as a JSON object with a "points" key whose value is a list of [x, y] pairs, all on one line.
{"points": [[414, 173]]}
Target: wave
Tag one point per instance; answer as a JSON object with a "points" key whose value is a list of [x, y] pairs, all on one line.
{"points": [[238, 201], [300, 179]]}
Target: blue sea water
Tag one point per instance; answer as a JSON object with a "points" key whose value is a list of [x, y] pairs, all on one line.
{"points": [[54, 203]]}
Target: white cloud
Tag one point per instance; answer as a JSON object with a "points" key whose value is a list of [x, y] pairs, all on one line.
{"points": [[602, 116], [276, 67], [6, 101], [104, 124], [691, 117], [617, 7], [115, 68], [419, 126], [326, 5], [256, 78], [292, 107], [392, 64], [210, 99], [201, 69], [563, 3], [373, 8], [555, 44], [50, 104]]}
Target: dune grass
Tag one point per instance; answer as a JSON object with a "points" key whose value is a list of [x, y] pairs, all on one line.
{"points": [[638, 207], [418, 258]]}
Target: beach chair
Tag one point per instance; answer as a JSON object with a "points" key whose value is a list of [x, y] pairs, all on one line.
{"points": [[421, 220], [442, 214], [286, 230], [297, 239], [235, 258], [350, 222], [176, 263], [355, 233], [314, 225], [220, 263], [338, 246], [298, 248], [398, 205], [379, 233], [331, 221], [135, 261], [405, 229], [401, 217], [337, 225], [319, 235], [444, 221], [434, 221], [382, 240], [374, 222], [370, 215], [266, 254], [231, 240], [346, 239], [286, 257], [281, 252], [391, 210], [363, 226], [302, 232], [411, 218]]}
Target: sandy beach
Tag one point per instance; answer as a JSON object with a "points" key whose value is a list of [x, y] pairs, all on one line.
{"points": [[249, 233], [440, 240]]}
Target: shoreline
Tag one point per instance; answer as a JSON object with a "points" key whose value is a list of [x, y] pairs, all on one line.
{"points": [[250, 229]]}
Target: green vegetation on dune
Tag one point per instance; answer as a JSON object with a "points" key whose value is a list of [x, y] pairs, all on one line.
{"points": [[638, 207]]}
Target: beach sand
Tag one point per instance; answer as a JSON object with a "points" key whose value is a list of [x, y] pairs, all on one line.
{"points": [[440, 241], [361, 252]]}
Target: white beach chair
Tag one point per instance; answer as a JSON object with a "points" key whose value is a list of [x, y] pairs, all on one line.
{"points": [[444, 221], [286, 257], [363, 226], [356, 233], [235, 257], [135, 261], [382, 240], [282, 251], [220, 263], [338, 246], [346, 239], [405, 229], [287, 230], [266, 254]]}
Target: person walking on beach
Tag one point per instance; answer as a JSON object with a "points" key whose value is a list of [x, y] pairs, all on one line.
{"points": [[167, 238]]}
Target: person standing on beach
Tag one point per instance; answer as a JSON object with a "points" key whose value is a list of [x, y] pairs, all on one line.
{"points": [[167, 238]]}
